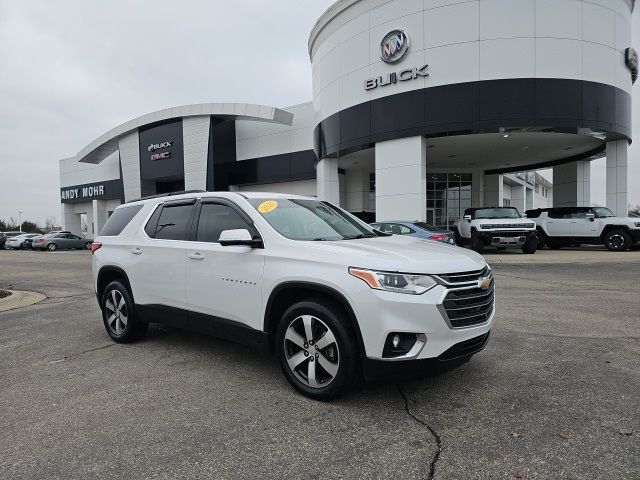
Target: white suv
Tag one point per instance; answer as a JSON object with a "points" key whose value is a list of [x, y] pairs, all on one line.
{"points": [[295, 276], [573, 226]]}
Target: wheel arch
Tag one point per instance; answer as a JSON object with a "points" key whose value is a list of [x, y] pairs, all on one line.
{"points": [[287, 293], [108, 274]]}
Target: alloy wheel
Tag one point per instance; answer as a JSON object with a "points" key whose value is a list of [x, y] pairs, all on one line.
{"points": [[616, 241], [116, 309], [311, 351]]}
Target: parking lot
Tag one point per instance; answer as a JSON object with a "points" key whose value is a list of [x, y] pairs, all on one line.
{"points": [[554, 395]]}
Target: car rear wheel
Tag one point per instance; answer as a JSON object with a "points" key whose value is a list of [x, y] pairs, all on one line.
{"points": [[119, 314], [87, 246], [52, 247], [317, 349], [617, 241]]}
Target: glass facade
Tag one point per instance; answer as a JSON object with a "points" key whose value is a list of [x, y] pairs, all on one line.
{"points": [[448, 195]]}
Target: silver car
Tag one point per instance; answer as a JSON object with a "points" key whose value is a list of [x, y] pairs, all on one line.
{"points": [[60, 241]]}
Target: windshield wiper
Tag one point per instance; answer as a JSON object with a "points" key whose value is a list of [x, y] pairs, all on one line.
{"points": [[359, 236]]}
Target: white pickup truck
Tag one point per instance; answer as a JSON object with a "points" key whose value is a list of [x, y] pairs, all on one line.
{"points": [[573, 226], [499, 227]]}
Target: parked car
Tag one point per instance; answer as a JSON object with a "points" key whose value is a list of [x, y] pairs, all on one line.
{"points": [[500, 227], [8, 235], [299, 277], [61, 241], [574, 226], [415, 229], [21, 242], [3, 240]]}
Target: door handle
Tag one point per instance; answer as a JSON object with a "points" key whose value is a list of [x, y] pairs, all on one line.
{"points": [[196, 256], [136, 251]]}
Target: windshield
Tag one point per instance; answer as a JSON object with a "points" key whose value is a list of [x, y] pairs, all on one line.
{"points": [[426, 226], [602, 212], [310, 220], [497, 213]]}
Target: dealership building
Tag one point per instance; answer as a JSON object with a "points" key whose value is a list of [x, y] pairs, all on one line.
{"points": [[420, 109]]}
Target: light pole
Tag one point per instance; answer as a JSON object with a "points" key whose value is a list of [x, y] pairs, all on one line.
{"points": [[20, 216]]}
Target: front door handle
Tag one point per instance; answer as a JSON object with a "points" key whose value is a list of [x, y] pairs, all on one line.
{"points": [[136, 251], [196, 256]]}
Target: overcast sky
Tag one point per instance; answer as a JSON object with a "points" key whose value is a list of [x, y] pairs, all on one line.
{"points": [[71, 70]]}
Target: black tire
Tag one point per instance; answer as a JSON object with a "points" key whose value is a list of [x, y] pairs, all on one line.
{"points": [[458, 238], [617, 240], [134, 328], [87, 246], [476, 242], [52, 247], [531, 245], [542, 239], [342, 352]]}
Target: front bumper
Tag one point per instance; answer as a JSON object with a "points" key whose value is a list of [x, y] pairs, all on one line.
{"points": [[455, 356], [506, 238], [382, 313]]}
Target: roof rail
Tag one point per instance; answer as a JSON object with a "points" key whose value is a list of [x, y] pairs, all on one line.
{"points": [[170, 194]]}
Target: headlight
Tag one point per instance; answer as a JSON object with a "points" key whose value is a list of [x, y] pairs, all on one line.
{"points": [[395, 282]]}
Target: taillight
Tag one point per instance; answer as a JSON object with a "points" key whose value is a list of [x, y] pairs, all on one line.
{"points": [[95, 246], [439, 238]]}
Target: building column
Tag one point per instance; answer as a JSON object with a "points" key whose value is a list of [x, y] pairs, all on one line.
{"points": [[195, 134], [130, 163], [531, 198], [617, 185], [70, 219], [401, 179], [572, 184], [357, 190], [99, 216], [328, 180], [519, 197], [493, 190]]}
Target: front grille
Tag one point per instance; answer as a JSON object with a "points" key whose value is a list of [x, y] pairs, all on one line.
{"points": [[506, 226], [470, 306], [460, 279], [468, 347]]}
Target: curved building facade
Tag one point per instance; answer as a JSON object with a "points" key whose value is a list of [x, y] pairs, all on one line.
{"points": [[421, 108]]}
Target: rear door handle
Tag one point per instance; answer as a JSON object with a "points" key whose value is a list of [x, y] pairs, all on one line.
{"points": [[136, 251], [196, 256]]}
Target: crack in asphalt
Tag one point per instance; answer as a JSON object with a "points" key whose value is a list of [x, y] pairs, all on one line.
{"points": [[436, 455]]}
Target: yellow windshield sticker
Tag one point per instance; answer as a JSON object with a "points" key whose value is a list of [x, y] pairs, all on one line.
{"points": [[268, 206]]}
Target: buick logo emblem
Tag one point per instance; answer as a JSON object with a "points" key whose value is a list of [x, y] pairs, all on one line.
{"points": [[394, 46], [157, 146]]}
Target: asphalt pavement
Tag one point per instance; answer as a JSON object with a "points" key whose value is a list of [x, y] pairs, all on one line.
{"points": [[554, 395]]}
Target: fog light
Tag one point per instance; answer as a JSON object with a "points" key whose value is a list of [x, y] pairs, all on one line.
{"points": [[398, 344]]}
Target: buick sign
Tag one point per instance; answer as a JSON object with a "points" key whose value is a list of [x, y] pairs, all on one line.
{"points": [[157, 146], [394, 46]]}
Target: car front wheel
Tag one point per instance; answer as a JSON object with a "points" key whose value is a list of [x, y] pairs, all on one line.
{"points": [[476, 242], [617, 241], [531, 245], [119, 315], [317, 349], [87, 246]]}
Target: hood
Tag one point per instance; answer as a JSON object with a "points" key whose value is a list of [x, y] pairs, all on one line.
{"points": [[399, 253]]}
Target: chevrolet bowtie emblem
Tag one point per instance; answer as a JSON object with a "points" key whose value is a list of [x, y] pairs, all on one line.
{"points": [[484, 283]]}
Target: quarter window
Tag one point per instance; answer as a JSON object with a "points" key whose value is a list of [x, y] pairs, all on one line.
{"points": [[174, 221], [216, 218], [118, 220]]}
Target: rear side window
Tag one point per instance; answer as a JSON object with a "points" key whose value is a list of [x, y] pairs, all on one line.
{"points": [[174, 222], [215, 219], [120, 219]]}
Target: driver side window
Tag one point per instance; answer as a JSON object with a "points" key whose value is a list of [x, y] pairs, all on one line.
{"points": [[214, 219]]}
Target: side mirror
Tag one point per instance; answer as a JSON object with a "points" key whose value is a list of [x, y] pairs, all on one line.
{"points": [[239, 237], [524, 215], [591, 216], [467, 218]]}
